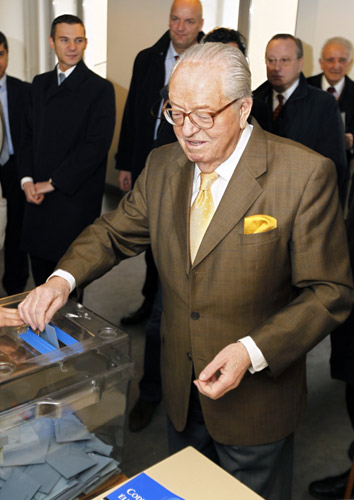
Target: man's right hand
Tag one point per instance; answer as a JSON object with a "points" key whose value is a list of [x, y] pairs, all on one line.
{"points": [[31, 194], [43, 302], [124, 180]]}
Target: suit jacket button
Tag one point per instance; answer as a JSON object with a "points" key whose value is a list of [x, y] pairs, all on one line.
{"points": [[189, 356], [195, 315]]}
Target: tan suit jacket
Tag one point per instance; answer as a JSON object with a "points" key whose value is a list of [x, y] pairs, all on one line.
{"points": [[287, 288]]}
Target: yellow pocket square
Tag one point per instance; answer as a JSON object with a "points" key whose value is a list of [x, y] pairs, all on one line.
{"points": [[259, 224]]}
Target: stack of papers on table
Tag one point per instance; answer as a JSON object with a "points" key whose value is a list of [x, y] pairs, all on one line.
{"points": [[52, 459]]}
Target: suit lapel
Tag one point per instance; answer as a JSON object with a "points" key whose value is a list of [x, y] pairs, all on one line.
{"points": [[72, 82], [241, 192], [181, 192], [52, 87]]}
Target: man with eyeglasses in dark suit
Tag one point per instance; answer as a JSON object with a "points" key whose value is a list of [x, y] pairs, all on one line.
{"points": [[299, 111]]}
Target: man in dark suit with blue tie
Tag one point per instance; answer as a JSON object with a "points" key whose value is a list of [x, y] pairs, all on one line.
{"points": [[63, 163], [14, 99]]}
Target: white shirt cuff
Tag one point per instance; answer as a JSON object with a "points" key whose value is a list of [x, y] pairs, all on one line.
{"points": [[25, 179], [257, 359], [67, 276]]}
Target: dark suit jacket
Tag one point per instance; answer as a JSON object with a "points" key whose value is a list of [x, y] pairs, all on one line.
{"points": [[345, 102], [287, 287], [17, 101], [141, 109], [69, 132], [342, 339], [312, 118]]}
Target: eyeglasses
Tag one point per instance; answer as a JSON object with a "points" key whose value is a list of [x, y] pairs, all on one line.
{"points": [[201, 119], [284, 61]]}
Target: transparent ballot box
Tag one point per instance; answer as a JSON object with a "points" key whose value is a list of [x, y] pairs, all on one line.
{"points": [[62, 404]]}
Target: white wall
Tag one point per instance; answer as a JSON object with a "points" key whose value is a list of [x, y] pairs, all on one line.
{"points": [[268, 17], [95, 19], [12, 18], [319, 20], [131, 26], [220, 13]]}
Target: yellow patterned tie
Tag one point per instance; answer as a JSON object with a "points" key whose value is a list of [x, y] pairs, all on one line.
{"points": [[202, 212]]}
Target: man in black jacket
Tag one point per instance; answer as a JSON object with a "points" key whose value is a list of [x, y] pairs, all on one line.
{"points": [[298, 110], [142, 128], [335, 61], [14, 101], [64, 157]]}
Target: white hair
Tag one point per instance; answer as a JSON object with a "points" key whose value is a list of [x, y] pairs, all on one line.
{"points": [[233, 68], [341, 41]]}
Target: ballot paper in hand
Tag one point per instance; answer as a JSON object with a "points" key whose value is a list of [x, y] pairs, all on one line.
{"points": [[50, 335]]}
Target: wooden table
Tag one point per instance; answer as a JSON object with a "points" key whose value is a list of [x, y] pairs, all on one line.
{"points": [[111, 482]]}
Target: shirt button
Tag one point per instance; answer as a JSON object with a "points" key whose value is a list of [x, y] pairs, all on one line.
{"points": [[189, 356], [195, 315]]}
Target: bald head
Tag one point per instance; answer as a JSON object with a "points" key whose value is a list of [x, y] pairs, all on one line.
{"points": [[186, 21]]}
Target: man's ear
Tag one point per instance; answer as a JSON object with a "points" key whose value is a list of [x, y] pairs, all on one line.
{"points": [[51, 43], [245, 110]]}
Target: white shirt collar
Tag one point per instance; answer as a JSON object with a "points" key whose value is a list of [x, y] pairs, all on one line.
{"points": [[287, 93], [171, 53], [338, 86], [227, 168], [66, 73]]}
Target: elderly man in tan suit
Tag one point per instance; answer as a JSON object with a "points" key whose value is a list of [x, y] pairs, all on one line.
{"points": [[253, 264]]}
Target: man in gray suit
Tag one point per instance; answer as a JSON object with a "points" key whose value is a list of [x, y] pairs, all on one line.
{"points": [[247, 289]]}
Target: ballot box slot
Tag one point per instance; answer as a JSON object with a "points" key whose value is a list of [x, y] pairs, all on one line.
{"points": [[42, 345]]}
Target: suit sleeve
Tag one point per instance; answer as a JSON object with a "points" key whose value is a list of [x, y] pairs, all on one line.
{"points": [[92, 150], [114, 236], [320, 273]]}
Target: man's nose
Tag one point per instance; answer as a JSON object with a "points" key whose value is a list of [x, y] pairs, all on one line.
{"points": [[72, 45], [188, 128], [180, 25]]}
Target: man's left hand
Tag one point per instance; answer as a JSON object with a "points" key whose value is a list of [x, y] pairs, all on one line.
{"points": [[224, 372]]}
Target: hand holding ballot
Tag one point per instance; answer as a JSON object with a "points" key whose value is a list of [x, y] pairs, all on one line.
{"points": [[43, 302]]}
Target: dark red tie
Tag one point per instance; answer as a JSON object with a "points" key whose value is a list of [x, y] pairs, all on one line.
{"points": [[331, 90], [280, 106]]}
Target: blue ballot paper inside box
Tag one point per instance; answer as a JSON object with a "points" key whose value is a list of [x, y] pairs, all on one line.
{"points": [[50, 339], [142, 487], [52, 459]]}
